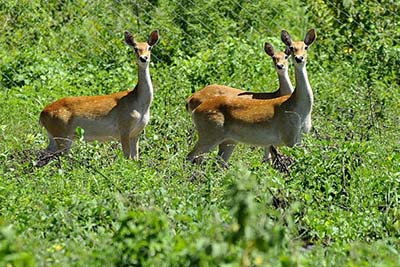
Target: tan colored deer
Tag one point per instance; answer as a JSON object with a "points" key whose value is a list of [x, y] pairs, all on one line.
{"points": [[120, 116], [263, 122], [280, 60], [299, 54]]}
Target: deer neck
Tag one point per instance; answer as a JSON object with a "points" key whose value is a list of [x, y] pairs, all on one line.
{"points": [[285, 85], [302, 95], [144, 87]]}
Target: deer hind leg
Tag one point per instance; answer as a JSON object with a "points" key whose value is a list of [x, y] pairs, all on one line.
{"points": [[210, 135], [269, 154], [274, 154], [225, 150], [202, 146], [52, 147], [63, 143]]}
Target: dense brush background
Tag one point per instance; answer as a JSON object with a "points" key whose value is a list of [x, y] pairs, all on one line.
{"points": [[338, 206]]}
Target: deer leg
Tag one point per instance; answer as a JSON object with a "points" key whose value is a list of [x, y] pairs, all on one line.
{"points": [[63, 143], [134, 147], [225, 150], [125, 142], [267, 154], [274, 153], [52, 147], [271, 153], [201, 147]]}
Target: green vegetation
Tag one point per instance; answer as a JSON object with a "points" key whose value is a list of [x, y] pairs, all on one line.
{"points": [[338, 206]]}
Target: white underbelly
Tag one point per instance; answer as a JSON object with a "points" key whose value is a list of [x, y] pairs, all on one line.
{"points": [[260, 136], [110, 128], [101, 129]]}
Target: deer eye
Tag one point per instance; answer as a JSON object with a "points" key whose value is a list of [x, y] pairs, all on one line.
{"points": [[286, 56], [306, 47], [291, 48], [136, 49]]}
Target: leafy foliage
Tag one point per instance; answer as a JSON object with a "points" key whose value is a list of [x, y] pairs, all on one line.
{"points": [[11, 253], [143, 239]]}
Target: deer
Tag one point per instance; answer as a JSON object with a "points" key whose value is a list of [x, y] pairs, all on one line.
{"points": [[299, 53], [280, 60], [281, 64], [261, 122], [119, 116]]}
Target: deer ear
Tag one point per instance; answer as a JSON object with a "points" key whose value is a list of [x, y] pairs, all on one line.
{"points": [[129, 40], [288, 51], [269, 49], [285, 37], [153, 38], [310, 37]]}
